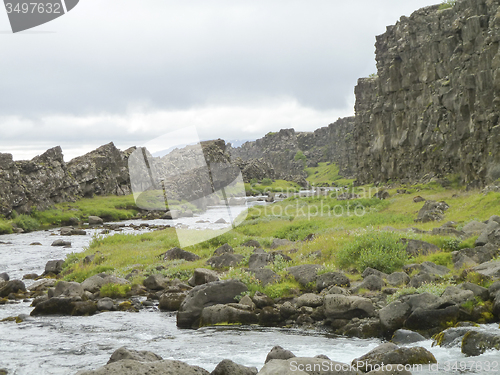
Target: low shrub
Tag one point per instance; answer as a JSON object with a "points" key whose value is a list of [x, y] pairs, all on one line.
{"points": [[26, 223], [114, 290], [380, 250]]}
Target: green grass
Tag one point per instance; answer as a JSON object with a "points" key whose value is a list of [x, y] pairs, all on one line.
{"points": [[5, 226], [26, 223], [326, 173], [446, 4], [114, 290], [276, 186]]}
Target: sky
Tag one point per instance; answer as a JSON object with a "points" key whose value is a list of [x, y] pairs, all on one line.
{"points": [[128, 71]]}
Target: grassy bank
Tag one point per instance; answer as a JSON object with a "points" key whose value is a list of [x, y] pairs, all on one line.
{"points": [[349, 235]]}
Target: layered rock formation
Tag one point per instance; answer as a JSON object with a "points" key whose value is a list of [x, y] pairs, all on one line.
{"points": [[47, 179], [433, 108], [274, 155]]}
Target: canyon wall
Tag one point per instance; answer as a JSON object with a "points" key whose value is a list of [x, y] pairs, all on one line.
{"points": [[433, 108]]}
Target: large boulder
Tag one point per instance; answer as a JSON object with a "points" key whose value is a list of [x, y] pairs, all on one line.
{"points": [[479, 254], [389, 353], [458, 296], [432, 211], [64, 306], [371, 282], [226, 260], [233, 313], [226, 248], [277, 352], [417, 247], [278, 242], [155, 282], [266, 276], [201, 296], [54, 266], [178, 253], [94, 283], [489, 269], [338, 306], [228, 367], [440, 317], [131, 367], [398, 279], [329, 279], [202, 276], [304, 274], [95, 220], [67, 289], [172, 301], [476, 343], [4, 276], [394, 315], [141, 356], [12, 286], [259, 260], [488, 234]]}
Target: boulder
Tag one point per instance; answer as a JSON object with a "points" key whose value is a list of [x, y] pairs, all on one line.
{"points": [[451, 337], [202, 276], [228, 367], [372, 271], [67, 289], [228, 314], [94, 283], [54, 306], [178, 253], [304, 274], [478, 290], [4, 276], [171, 215], [269, 317], [394, 315], [404, 337], [171, 301], [432, 211], [310, 300], [225, 261], [476, 343], [434, 269], [141, 356], [11, 286], [479, 254], [84, 308], [278, 352], [42, 285], [259, 260], [131, 367], [489, 269], [201, 296], [474, 228], [226, 248], [392, 354], [458, 296], [329, 279], [371, 282], [61, 243], [398, 279], [420, 279], [440, 317], [266, 276], [488, 234], [262, 300], [422, 300], [95, 220], [338, 306], [155, 282], [105, 304], [417, 247], [54, 266]]}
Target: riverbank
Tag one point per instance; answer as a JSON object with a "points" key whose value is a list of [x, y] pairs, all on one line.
{"points": [[295, 262]]}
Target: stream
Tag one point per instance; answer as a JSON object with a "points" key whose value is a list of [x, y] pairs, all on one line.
{"points": [[65, 344]]}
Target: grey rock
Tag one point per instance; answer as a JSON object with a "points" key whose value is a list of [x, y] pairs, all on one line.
{"points": [[231, 313], [95, 220], [398, 279], [226, 248], [131, 367], [11, 286], [177, 253], [478, 290], [417, 247], [105, 303], [453, 294], [141, 356], [421, 319], [259, 260], [266, 276], [228, 367], [394, 315], [225, 261], [313, 366], [309, 299], [172, 301], [68, 289], [476, 343], [278, 242], [54, 266], [155, 282], [305, 273], [201, 296], [372, 271], [202, 276], [278, 352], [347, 307], [420, 279], [371, 282], [60, 243], [94, 283], [4, 276], [329, 279], [251, 243], [489, 269], [405, 337]]}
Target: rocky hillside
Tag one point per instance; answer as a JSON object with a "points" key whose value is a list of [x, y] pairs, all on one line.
{"points": [[278, 155], [47, 179], [433, 108]]}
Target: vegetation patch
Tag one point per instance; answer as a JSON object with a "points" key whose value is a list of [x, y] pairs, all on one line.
{"points": [[114, 290]]}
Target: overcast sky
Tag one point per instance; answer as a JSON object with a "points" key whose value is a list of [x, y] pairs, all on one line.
{"points": [[128, 71]]}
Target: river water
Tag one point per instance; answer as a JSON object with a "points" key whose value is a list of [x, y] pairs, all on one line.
{"points": [[65, 345]]}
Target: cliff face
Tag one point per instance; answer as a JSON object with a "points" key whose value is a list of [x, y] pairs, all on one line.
{"points": [[434, 107], [274, 155], [47, 179]]}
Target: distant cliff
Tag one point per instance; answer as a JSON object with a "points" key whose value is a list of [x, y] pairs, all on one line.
{"points": [[47, 179], [278, 152], [434, 107]]}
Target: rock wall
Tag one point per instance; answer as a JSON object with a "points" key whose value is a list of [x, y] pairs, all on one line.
{"points": [[434, 107], [274, 155], [47, 179]]}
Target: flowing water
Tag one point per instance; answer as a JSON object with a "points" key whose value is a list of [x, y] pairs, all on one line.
{"points": [[65, 345]]}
